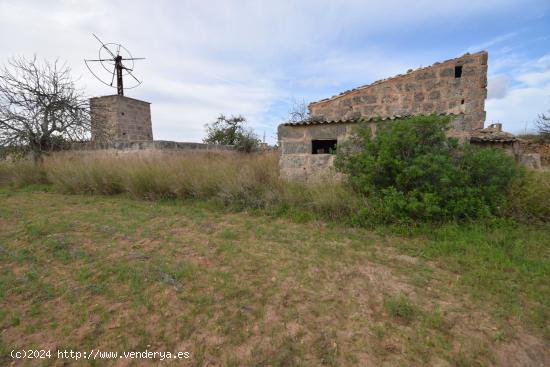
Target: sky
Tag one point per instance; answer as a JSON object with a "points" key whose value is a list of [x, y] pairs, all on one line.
{"points": [[256, 58]]}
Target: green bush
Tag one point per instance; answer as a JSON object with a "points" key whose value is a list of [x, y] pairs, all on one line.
{"points": [[410, 170]]}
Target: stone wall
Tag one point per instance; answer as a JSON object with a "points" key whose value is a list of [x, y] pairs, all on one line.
{"points": [[433, 89], [149, 145], [119, 118], [530, 146], [296, 160]]}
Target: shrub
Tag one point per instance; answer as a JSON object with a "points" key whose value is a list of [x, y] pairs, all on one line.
{"points": [[410, 170]]}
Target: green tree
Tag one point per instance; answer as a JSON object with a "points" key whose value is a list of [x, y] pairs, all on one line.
{"points": [[231, 131]]}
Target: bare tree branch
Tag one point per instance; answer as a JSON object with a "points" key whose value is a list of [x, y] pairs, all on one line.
{"points": [[40, 105], [298, 111]]}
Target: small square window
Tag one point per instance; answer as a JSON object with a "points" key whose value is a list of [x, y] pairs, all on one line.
{"points": [[323, 146], [458, 71]]}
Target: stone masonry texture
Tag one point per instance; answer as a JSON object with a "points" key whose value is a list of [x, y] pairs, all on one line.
{"points": [[434, 89], [454, 87], [119, 118]]}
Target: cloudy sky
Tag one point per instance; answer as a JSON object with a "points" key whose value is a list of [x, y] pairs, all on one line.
{"points": [[255, 57]]}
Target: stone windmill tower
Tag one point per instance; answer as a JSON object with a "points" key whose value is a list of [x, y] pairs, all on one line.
{"points": [[116, 118]]}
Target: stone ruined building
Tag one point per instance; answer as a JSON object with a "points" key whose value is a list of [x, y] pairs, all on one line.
{"points": [[456, 87], [493, 137], [120, 119]]}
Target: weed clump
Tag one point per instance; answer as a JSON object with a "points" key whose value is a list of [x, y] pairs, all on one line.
{"points": [[400, 307]]}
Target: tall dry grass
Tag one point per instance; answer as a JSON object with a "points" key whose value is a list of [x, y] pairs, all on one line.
{"points": [[529, 198], [231, 178]]}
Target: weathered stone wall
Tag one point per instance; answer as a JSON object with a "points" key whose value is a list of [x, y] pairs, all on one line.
{"points": [[455, 87], [149, 145], [296, 161], [424, 91], [119, 118]]}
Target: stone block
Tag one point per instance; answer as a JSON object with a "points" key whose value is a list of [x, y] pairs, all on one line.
{"points": [[447, 72], [423, 75], [468, 71], [295, 147], [292, 161], [370, 99], [346, 102], [329, 131], [428, 107], [352, 115], [531, 160], [290, 132], [317, 161], [368, 111], [387, 99], [435, 95]]}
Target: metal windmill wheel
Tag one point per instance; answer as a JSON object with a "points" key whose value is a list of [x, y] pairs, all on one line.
{"points": [[113, 60]]}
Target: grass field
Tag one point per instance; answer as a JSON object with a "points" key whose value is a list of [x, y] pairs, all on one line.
{"points": [[248, 289]]}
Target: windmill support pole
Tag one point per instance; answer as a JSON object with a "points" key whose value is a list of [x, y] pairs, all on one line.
{"points": [[119, 85]]}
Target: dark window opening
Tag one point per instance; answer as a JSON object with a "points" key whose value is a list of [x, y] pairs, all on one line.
{"points": [[122, 113], [324, 146], [458, 71], [462, 102]]}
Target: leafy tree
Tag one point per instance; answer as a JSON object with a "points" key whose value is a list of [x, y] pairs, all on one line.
{"points": [[231, 131], [40, 107], [411, 170]]}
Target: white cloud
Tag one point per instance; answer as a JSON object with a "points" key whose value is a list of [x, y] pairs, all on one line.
{"points": [[498, 87], [492, 42], [524, 95], [519, 110], [211, 57]]}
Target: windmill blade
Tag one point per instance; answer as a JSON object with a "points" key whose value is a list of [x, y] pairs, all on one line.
{"points": [[102, 44], [112, 63], [99, 60], [95, 75], [132, 75]]}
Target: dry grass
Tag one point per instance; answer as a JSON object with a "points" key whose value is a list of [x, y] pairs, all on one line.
{"points": [[241, 181], [233, 179]]}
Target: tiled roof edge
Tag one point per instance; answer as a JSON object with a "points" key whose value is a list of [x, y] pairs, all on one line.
{"points": [[393, 117]]}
